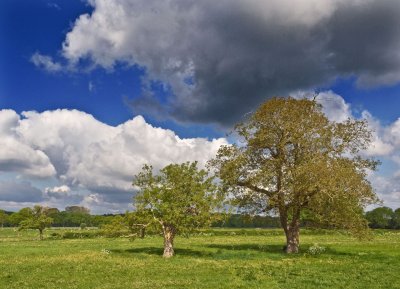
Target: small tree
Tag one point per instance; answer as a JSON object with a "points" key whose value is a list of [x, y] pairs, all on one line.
{"points": [[180, 198], [37, 219], [293, 161]]}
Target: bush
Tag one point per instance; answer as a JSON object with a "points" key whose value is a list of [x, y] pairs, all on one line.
{"points": [[316, 250], [80, 235], [56, 235]]}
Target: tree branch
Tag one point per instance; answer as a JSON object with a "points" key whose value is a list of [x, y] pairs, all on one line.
{"points": [[256, 189]]}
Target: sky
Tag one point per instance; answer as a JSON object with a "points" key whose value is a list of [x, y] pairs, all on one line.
{"points": [[90, 90]]}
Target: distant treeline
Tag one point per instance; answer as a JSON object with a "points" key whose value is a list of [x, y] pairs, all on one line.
{"points": [[73, 216], [246, 221], [76, 216], [384, 218]]}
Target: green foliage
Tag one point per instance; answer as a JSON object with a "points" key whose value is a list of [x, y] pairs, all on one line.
{"points": [[395, 222], [77, 209], [116, 228], [380, 217], [3, 218], [131, 224], [293, 160], [76, 216], [16, 218], [36, 219], [79, 234], [179, 199], [180, 195], [247, 221]]}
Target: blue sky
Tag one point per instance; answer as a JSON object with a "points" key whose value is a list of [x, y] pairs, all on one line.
{"points": [[190, 73]]}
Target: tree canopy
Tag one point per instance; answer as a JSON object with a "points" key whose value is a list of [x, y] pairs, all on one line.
{"points": [[293, 161], [382, 217], [37, 218], [179, 198], [77, 209]]}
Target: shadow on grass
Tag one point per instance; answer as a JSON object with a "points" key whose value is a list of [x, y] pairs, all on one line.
{"points": [[223, 251], [227, 251], [275, 249], [159, 251]]}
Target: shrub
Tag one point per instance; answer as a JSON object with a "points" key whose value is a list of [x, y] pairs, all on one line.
{"points": [[316, 250], [80, 235]]}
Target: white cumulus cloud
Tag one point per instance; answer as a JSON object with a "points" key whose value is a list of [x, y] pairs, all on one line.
{"points": [[58, 190], [17, 155], [87, 155], [46, 62]]}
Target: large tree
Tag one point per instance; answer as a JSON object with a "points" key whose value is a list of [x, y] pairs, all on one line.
{"points": [[293, 161], [37, 219], [179, 198]]}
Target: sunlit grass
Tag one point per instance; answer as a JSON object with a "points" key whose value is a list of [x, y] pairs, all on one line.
{"points": [[228, 260]]}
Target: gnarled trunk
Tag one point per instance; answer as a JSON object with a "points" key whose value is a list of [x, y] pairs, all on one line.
{"points": [[292, 238], [292, 230], [169, 235]]}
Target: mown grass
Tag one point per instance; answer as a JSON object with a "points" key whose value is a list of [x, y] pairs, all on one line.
{"points": [[213, 259]]}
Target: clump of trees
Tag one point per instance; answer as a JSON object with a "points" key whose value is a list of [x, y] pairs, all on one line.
{"points": [[179, 199], [384, 218], [293, 161]]}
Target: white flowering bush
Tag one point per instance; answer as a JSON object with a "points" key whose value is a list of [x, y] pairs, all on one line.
{"points": [[316, 249], [105, 251]]}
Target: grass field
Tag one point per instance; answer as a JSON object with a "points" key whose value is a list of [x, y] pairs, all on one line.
{"points": [[215, 259]]}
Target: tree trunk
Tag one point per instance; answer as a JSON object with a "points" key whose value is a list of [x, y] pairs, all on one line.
{"points": [[142, 232], [41, 234], [291, 226], [169, 234], [292, 237]]}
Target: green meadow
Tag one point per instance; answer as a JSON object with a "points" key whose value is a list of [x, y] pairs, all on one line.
{"points": [[218, 258]]}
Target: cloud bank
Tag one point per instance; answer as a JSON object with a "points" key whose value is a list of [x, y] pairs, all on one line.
{"points": [[219, 59], [89, 159]]}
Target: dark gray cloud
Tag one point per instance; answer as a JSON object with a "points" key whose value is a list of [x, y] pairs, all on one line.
{"points": [[222, 58], [11, 191], [114, 195], [365, 41]]}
